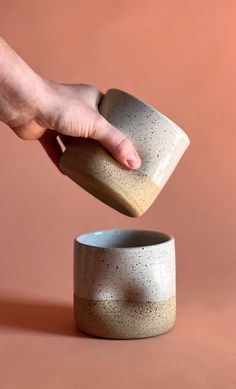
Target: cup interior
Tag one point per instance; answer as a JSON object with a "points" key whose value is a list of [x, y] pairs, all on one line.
{"points": [[123, 238]]}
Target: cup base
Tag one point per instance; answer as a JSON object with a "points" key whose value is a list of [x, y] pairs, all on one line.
{"points": [[119, 319], [89, 165]]}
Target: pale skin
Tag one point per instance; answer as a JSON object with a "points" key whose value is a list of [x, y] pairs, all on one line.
{"points": [[37, 108]]}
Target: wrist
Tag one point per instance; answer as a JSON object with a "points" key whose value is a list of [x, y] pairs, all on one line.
{"points": [[20, 88]]}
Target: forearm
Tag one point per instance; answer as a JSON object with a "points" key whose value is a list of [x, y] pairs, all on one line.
{"points": [[30, 104], [20, 87]]}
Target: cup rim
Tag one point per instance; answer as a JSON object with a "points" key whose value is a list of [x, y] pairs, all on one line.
{"points": [[168, 238], [179, 129]]}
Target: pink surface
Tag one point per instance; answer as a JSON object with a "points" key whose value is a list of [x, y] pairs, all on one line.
{"points": [[180, 57]]}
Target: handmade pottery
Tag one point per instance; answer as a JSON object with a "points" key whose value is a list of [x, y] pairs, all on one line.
{"points": [[124, 283], [159, 142]]}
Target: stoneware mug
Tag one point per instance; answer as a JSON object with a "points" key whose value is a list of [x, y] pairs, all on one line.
{"points": [[124, 283], [159, 142]]}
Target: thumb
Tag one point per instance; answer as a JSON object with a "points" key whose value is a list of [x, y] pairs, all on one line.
{"points": [[121, 148]]}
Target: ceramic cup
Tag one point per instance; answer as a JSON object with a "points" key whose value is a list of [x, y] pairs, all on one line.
{"points": [[159, 142], [124, 283]]}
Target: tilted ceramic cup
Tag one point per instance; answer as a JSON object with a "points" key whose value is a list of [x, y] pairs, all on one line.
{"points": [[159, 142], [124, 283]]}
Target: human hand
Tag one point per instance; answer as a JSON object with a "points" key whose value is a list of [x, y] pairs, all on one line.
{"points": [[36, 108]]}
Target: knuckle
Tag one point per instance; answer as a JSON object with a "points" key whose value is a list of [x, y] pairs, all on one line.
{"points": [[90, 95], [27, 132], [100, 123], [88, 87], [123, 146]]}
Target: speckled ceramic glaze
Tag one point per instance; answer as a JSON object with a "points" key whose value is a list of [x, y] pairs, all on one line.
{"points": [[159, 141], [124, 283]]}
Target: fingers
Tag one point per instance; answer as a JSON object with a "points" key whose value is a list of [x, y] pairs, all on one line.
{"points": [[64, 140], [87, 94], [30, 131], [51, 146], [121, 148], [79, 116], [90, 95]]}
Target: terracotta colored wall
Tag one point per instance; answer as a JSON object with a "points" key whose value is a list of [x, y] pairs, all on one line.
{"points": [[180, 57]]}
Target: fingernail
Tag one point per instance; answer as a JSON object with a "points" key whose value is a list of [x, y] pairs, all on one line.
{"points": [[133, 160]]}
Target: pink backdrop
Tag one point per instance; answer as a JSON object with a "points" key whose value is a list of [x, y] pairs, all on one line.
{"points": [[179, 57]]}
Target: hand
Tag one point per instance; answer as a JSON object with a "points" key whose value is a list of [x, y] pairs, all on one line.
{"points": [[36, 108]]}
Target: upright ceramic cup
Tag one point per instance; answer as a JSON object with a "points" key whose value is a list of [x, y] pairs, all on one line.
{"points": [[159, 141], [124, 283]]}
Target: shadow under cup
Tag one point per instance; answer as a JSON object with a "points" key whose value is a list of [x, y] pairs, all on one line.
{"points": [[124, 283]]}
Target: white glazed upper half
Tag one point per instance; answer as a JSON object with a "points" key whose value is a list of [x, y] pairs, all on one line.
{"points": [[159, 141], [124, 265]]}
